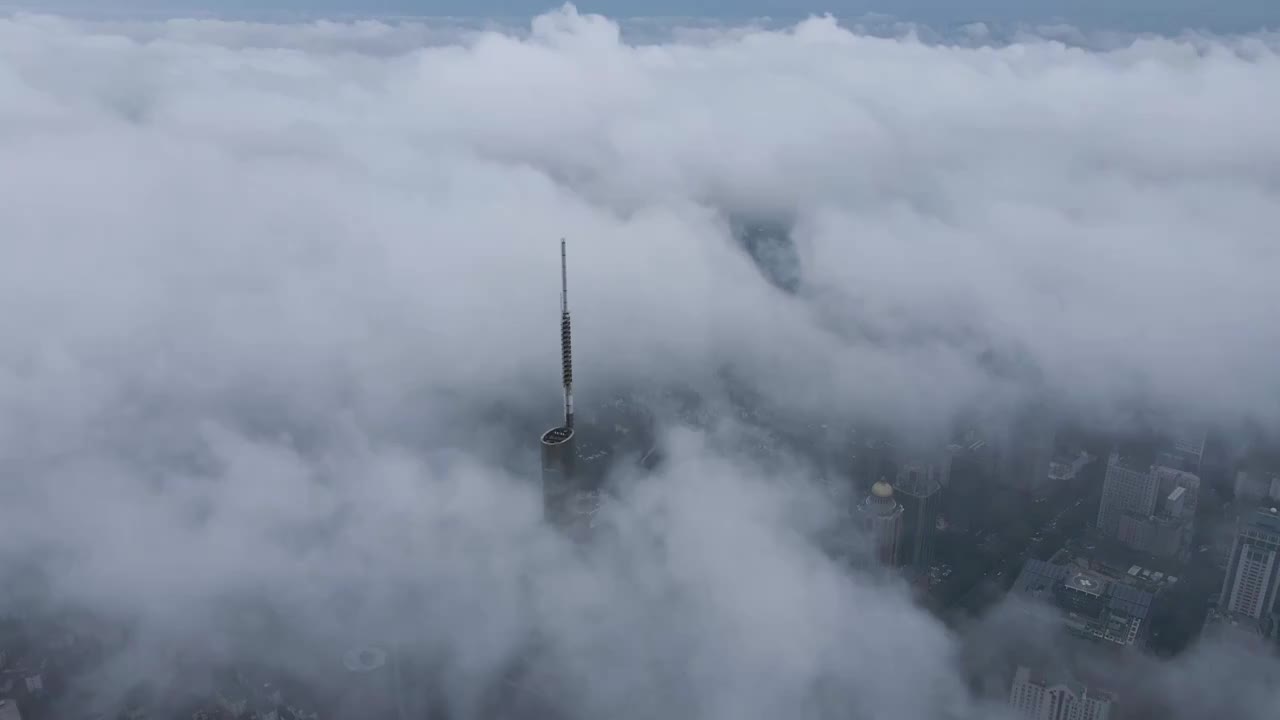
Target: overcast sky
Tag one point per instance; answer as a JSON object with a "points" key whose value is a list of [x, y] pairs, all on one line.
{"points": [[1135, 15], [257, 279]]}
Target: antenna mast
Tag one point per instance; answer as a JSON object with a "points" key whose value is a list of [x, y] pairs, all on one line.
{"points": [[566, 343]]}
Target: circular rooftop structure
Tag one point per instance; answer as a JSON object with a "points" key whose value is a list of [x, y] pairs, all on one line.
{"points": [[557, 436], [364, 659], [1086, 583], [881, 501]]}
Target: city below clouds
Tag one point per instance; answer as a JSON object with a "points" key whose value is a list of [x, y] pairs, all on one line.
{"points": [[257, 277]]}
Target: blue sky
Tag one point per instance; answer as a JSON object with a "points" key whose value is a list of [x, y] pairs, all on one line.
{"points": [[1141, 15]]}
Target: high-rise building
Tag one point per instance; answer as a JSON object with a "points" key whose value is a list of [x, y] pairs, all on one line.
{"points": [[1037, 697], [1158, 535], [1028, 451], [918, 490], [1150, 508], [1168, 481], [559, 474], [1167, 531], [567, 502], [1252, 581], [1255, 486], [881, 517], [1129, 487], [966, 501], [1184, 449]]}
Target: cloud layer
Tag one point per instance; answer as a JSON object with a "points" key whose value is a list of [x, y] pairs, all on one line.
{"points": [[266, 289]]}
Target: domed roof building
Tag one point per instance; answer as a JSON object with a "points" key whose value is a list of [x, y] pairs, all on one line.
{"points": [[881, 517]]}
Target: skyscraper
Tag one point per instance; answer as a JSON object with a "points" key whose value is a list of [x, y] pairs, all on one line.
{"points": [[1129, 487], [1027, 452], [967, 498], [1184, 449], [1150, 508], [1252, 581], [917, 489], [566, 503], [881, 517], [1256, 485], [1167, 531], [1036, 697]]}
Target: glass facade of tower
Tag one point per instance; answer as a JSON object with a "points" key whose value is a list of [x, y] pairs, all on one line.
{"points": [[918, 491]]}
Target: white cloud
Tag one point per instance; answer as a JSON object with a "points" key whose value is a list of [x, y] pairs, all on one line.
{"points": [[243, 263]]}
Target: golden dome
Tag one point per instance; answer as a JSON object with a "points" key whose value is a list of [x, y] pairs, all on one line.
{"points": [[882, 489]]}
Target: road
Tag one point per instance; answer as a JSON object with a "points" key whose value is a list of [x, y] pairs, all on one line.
{"points": [[984, 570]]}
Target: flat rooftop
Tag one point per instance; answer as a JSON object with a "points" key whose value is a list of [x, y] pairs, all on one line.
{"points": [[1038, 579]]}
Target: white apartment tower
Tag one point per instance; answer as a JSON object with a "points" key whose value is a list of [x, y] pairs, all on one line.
{"points": [[1035, 697], [1253, 580]]}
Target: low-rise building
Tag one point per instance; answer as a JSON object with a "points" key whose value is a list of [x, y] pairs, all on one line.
{"points": [[1093, 606]]}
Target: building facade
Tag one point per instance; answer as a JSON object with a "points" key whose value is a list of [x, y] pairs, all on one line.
{"points": [[918, 490], [1036, 697], [1155, 535], [1150, 508], [880, 516], [1129, 487], [966, 500], [1252, 580], [1168, 529], [1027, 454], [1254, 486], [1184, 449]]}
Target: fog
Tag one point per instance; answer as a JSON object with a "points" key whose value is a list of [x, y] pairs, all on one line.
{"points": [[278, 317]]}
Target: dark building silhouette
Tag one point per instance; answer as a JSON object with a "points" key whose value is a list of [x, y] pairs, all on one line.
{"points": [[568, 503], [967, 500], [919, 492], [1027, 454]]}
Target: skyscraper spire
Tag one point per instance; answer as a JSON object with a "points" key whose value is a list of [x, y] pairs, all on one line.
{"points": [[566, 340], [566, 501]]}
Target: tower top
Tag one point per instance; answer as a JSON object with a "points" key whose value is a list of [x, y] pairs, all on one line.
{"points": [[566, 339]]}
